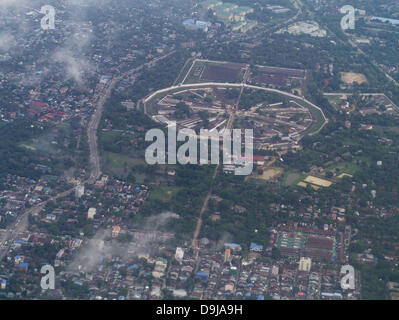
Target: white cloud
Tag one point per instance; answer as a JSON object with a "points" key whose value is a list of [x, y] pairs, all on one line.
{"points": [[6, 41]]}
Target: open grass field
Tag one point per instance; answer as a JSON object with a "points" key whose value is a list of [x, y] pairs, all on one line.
{"points": [[49, 141], [118, 160], [291, 177], [335, 101], [114, 136], [163, 193], [119, 165]]}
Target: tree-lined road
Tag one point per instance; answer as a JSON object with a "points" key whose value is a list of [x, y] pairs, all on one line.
{"points": [[21, 223], [95, 161]]}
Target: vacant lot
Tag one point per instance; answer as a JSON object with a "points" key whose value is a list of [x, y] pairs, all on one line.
{"points": [[279, 77], [318, 181], [291, 178], [270, 173], [226, 73], [219, 71], [163, 194], [351, 77], [119, 165]]}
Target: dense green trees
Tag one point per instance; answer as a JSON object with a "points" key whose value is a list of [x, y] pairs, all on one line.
{"points": [[15, 159]]}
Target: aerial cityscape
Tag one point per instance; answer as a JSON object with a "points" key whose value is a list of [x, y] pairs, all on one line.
{"points": [[199, 150]]}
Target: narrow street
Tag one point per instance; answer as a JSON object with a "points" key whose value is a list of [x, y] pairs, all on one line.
{"points": [[229, 126]]}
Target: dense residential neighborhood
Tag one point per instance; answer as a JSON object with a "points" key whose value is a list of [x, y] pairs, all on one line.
{"points": [[79, 196]]}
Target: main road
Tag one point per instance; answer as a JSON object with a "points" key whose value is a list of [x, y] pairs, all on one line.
{"points": [[21, 223], [94, 122]]}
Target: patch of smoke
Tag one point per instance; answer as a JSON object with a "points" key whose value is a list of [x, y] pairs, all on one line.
{"points": [[88, 2], [13, 3], [225, 237], [20, 3], [155, 222], [45, 144], [6, 41], [76, 66], [90, 255], [72, 55], [14, 23]]}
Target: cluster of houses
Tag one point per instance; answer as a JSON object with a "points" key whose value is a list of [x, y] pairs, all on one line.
{"points": [[20, 192]]}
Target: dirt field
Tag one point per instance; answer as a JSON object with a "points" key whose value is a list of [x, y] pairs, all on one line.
{"points": [[280, 77], [221, 73], [344, 175], [298, 90], [270, 173], [318, 181], [205, 71], [351, 77]]}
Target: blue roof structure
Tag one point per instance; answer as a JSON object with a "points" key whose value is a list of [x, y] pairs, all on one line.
{"points": [[203, 275], [21, 242], [189, 21], [202, 25], [255, 246]]}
